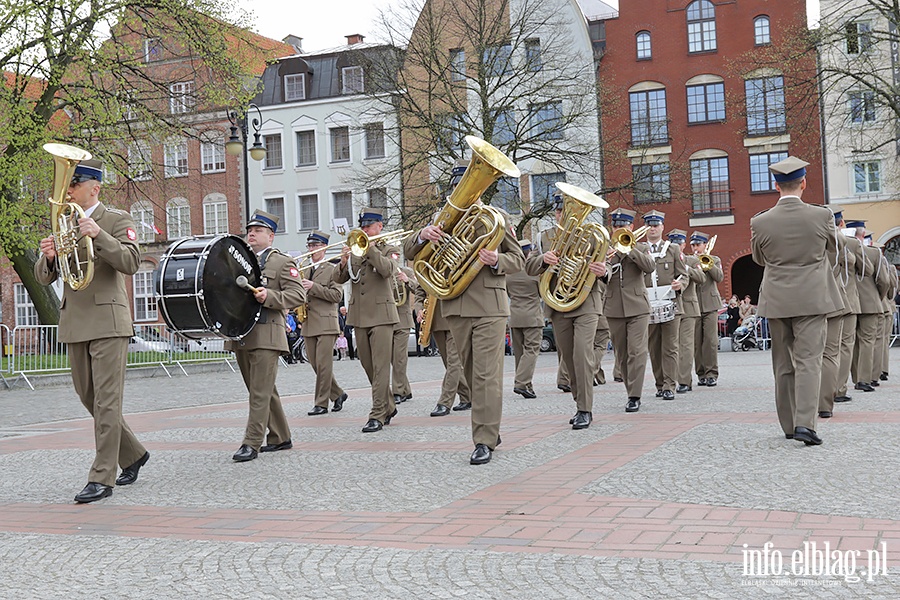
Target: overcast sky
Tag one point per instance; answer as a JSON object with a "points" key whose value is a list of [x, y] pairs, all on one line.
{"points": [[324, 24]]}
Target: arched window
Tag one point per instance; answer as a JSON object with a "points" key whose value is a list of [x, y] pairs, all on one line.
{"points": [[701, 22], [178, 218], [710, 184], [761, 32], [643, 45], [649, 120], [142, 213]]}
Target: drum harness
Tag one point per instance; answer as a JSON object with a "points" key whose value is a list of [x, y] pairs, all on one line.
{"points": [[263, 256]]}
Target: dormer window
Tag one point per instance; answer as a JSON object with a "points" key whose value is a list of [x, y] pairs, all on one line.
{"points": [[294, 87], [352, 80]]}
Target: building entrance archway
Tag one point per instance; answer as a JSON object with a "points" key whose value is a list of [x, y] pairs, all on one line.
{"points": [[746, 277]]}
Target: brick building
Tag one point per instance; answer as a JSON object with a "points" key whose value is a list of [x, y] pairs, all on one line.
{"points": [[693, 112]]}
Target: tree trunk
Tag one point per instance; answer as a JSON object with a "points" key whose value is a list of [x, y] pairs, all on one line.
{"points": [[44, 298]]}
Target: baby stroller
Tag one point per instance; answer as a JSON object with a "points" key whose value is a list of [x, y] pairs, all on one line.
{"points": [[744, 337]]}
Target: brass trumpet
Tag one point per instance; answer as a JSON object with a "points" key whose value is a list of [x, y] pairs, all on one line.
{"points": [[623, 240], [706, 260], [359, 241]]}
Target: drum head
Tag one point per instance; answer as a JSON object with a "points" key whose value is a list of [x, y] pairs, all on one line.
{"points": [[232, 311]]}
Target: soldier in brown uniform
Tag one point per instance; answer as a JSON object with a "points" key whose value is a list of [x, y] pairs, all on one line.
{"points": [[796, 293], [870, 311], [706, 334], [454, 382], [665, 284], [850, 265], [526, 322], [404, 279], [95, 323], [258, 352], [320, 329], [884, 283], [628, 310], [689, 309], [477, 319], [373, 314]]}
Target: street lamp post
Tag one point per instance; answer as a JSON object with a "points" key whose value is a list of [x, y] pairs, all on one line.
{"points": [[236, 146]]}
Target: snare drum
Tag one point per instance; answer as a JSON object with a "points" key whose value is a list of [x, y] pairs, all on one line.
{"points": [[196, 290], [662, 311]]}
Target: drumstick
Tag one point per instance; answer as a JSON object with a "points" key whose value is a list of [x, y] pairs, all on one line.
{"points": [[242, 283]]}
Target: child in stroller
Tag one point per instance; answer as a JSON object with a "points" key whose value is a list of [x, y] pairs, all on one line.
{"points": [[744, 337]]}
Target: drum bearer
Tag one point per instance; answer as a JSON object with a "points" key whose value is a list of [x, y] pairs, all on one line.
{"points": [[664, 284], [257, 353]]}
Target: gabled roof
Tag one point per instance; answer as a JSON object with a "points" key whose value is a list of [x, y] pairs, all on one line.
{"points": [[595, 10]]}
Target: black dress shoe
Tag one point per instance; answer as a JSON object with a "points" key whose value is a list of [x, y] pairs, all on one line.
{"points": [[842, 398], [789, 436], [582, 420], [93, 492], [391, 416], [339, 403], [659, 393], [883, 376], [440, 411], [618, 379], [276, 447], [525, 392], [668, 395], [372, 426], [825, 414], [481, 455], [318, 410], [463, 406], [572, 420], [564, 388], [244, 454], [874, 383], [683, 389], [398, 399], [130, 473], [407, 397], [702, 381], [634, 405], [710, 382], [807, 436], [863, 387]]}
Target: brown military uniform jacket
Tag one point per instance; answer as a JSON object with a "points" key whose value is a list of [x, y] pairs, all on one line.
{"points": [[626, 295], [707, 290], [102, 309], [687, 299], [404, 311], [850, 270], [868, 287], [535, 266], [524, 300], [372, 299], [321, 302], [282, 280]]}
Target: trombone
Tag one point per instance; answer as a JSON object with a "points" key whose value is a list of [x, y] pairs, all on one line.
{"points": [[622, 240], [706, 260], [359, 242]]}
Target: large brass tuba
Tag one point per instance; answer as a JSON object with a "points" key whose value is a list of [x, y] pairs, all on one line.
{"points": [[76, 265], [577, 244], [706, 260], [446, 268]]}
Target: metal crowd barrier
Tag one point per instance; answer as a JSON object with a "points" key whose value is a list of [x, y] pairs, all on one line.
{"points": [[895, 330], [32, 349]]}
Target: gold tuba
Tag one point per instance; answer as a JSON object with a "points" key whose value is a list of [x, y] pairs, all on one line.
{"points": [[706, 260], [623, 240], [446, 268], [577, 244], [75, 267]]}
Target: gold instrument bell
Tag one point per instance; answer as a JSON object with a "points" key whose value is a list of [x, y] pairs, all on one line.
{"points": [[707, 262]]}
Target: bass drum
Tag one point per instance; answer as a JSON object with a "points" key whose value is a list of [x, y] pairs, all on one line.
{"points": [[196, 290]]}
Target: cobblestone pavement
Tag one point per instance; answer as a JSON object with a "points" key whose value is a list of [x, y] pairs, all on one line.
{"points": [[670, 502]]}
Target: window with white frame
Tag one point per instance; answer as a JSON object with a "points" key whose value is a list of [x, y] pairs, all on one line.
{"points": [[215, 215], [761, 179], [109, 175], [308, 211], [710, 185], [152, 49], [504, 127], [140, 167], [274, 159], [374, 140], [275, 206], [706, 102], [765, 105], [142, 214], [340, 144], [701, 22], [651, 183], [178, 218], [858, 37], [181, 97], [306, 148], [144, 298], [644, 50], [762, 34], [862, 106], [533, 60], [649, 121], [867, 177], [378, 198], [543, 187], [295, 87], [212, 156], [343, 205], [352, 80], [127, 105], [496, 60], [457, 64], [546, 122], [25, 313], [176, 158]]}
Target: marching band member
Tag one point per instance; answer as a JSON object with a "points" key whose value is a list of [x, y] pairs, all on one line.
{"points": [[320, 328], [373, 314], [526, 323], [850, 267], [870, 311], [257, 353], [706, 334], [663, 337], [689, 307], [405, 279]]}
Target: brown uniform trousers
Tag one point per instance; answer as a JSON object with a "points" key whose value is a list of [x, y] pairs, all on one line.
{"points": [[831, 357], [526, 323], [258, 352], [454, 382], [869, 321], [320, 330], [850, 259], [706, 332], [687, 325], [663, 337], [400, 341], [95, 323]]}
